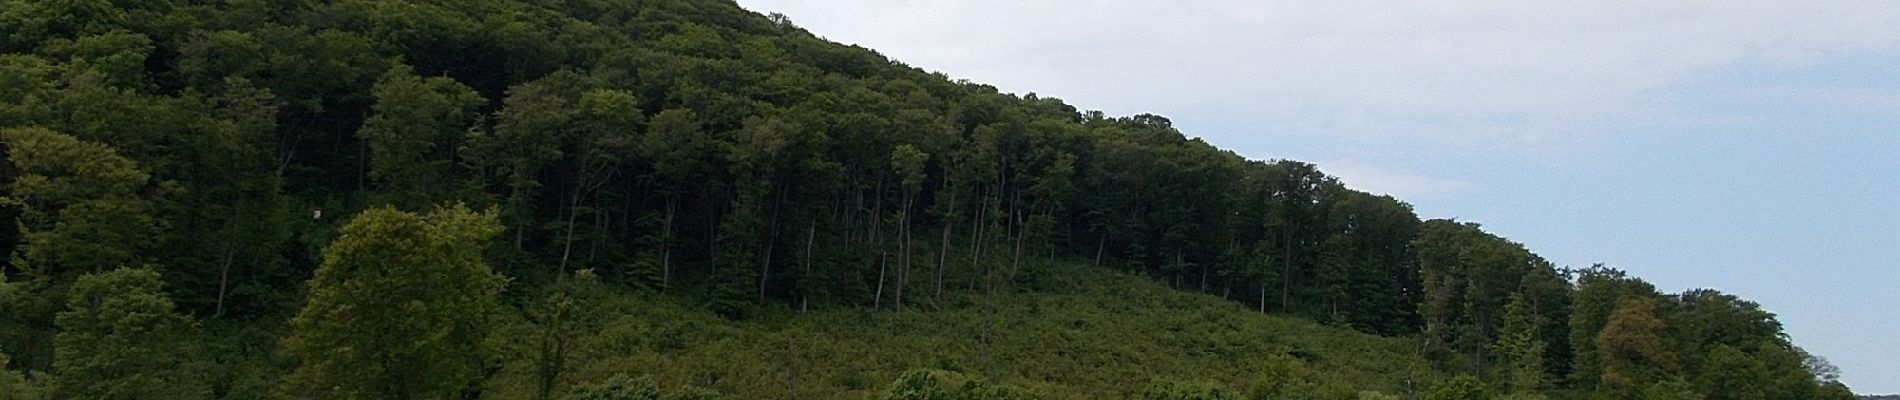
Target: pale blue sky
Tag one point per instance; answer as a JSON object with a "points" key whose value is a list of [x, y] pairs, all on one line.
{"points": [[1750, 147]]}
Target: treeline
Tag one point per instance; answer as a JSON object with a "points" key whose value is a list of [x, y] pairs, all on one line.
{"points": [[696, 149]]}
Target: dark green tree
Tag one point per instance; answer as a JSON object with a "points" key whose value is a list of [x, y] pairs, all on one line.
{"points": [[82, 207], [413, 133]]}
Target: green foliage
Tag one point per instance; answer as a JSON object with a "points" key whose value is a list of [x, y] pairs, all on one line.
{"points": [[931, 385], [623, 387], [1836, 391], [1469, 277], [945, 385], [399, 307], [120, 339], [1632, 349], [1461, 387], [571, 308], [1090, 333], [1670, 390], [1289, 379], [1521, 347], [118, 56], [1597, 295], [1180, 390], [417, 124], [1371, 395], [619, 387], [16, 385], [80, 203]]}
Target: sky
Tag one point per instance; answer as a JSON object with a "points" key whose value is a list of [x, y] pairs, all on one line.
{"points": [[1746, 146]]}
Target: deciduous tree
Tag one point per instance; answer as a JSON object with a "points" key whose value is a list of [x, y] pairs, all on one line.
{"points": [[398, 308]]}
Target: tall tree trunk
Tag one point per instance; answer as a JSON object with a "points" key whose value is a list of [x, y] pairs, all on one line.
{"points": [[1101, 243], [666, 241], [943, 251], [876, 239], [1263, 296], [877, 301], [1286, 270], [903, 245], [811, 236], [230, 254], [567, 240], [1022, 231], [600, 226], [976, 236], [771, 241], [1203, 279]]}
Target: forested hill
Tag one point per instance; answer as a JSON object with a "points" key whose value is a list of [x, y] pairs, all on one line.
{"points": [[431, 199]]}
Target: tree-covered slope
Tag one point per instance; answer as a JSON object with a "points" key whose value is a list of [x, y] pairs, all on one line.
{"points": [[1072, 332], [331, 193]]}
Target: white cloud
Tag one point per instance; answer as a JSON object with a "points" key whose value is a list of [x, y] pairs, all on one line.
{"points": [[1467, 72]]}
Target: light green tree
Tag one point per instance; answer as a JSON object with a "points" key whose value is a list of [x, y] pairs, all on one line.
{"points": [[1462, 387], [1671, 390], [1522, 350], [398, 308], [16, 384], [1178, 390], [619, 387], [1633, 353], [120, 339], [571, 308]]}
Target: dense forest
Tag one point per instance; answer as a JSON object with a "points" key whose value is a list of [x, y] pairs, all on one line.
{"points": [[404, 199]]}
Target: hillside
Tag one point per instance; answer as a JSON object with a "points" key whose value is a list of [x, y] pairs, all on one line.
{"points": [[519, 199], [1080, 333]]}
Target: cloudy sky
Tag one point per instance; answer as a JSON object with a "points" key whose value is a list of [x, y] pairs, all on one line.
{"points": [[1747, 146]]}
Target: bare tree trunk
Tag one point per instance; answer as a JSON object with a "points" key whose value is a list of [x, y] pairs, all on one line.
{"points": [[1203, 279], [230, 254], [877, 302], [567, 242], [1263, 296], [876, 239], [943, 252], [1286, 271], [1101, 243], [771, 242], [811, 236], [903, 237], [976, 237], [1022, 231], [600, 225], [666, 242]]}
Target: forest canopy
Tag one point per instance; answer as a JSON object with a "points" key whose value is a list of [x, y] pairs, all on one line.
{"points": [[218, 198]]}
